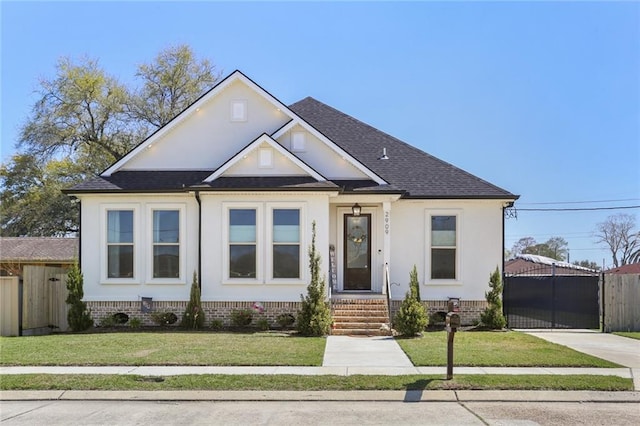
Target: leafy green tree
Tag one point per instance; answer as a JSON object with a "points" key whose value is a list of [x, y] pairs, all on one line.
{"points": [[587, 264], [31, 200], [194, 317], [411, 318], [79, 317], [82, 121], [173, 81], [554, 247], [492, 317], [314, 317]]}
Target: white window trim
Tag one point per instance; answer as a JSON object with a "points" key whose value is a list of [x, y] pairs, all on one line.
{"points": [[303, 146], [265, 158], [232, 106], [264, 243], [427, 258], [182, 209], [104, 267], [258, 207], [268, 250]]}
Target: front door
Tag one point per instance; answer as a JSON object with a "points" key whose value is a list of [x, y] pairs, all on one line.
{"points": [[357, 252]]}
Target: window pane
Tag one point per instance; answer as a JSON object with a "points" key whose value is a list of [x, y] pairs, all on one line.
{"points": [[286, 261], [242, 261], [286, 226], [120, 261], [242, 226], [166, 261], [120, 226], [443, 263], [443, 231], [166, 226]]}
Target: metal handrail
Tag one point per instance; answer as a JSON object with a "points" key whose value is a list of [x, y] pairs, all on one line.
{"points": [[388, 288]]}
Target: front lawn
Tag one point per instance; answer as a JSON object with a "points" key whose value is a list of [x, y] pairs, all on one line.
{"points": [[312, 383], [163, 348], [629, 334], [495, 349]]}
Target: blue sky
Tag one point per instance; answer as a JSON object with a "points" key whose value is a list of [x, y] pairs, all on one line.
{"points": [[540, 98]]}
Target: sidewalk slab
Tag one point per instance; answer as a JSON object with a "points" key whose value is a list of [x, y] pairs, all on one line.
{"points": [[379, 351], [406, 396]]}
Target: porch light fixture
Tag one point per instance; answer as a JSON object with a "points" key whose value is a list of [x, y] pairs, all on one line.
{"points": [[356, 209]]}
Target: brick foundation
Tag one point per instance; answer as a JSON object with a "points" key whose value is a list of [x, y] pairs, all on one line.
{"points": [[213, 310], [470, 310]]}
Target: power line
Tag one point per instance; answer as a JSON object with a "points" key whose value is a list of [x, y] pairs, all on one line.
{"points": [[579, 202], [581, 209]]}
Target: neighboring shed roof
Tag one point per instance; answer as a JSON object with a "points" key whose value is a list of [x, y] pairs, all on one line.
{"points": [[38, 249], [633, 268], [529, 264]]}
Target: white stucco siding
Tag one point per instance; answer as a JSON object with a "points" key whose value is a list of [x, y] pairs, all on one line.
{"points": [[216, 285], [318, 155], [479, 246], [209, 137], [253, 165], [97, 286]]}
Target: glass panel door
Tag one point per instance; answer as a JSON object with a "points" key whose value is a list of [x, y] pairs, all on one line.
{"points": [[357, 252]]}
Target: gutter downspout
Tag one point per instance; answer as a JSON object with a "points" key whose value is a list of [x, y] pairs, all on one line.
{"points": [[197, 195]]}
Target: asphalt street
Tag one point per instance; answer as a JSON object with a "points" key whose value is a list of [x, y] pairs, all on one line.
{"points": [[141, 413]]}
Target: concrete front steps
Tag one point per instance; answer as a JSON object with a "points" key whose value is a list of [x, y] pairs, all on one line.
{"points": [[353, 316]]}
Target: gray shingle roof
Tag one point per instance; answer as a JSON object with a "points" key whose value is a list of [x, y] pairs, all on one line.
{"points": [[49, 249], [408, 168]]}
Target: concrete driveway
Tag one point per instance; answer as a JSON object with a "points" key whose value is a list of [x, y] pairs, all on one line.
{"points": [[621, 350]]}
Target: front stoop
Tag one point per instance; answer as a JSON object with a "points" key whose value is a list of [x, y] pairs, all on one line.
{"points": [[362, 317]]}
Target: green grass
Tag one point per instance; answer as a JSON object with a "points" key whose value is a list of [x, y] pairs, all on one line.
{"points": [[312, 383], [495, 349], [629, 334], [158, 348]]}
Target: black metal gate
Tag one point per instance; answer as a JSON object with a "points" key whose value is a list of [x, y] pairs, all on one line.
{"points": [[569, 301]]}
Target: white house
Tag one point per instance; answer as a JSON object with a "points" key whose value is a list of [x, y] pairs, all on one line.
{"points": [[230, 188]]}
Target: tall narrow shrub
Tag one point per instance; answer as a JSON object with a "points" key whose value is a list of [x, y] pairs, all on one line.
{"points": [[79, 317], [314, 317], [412, 317], [193, 317], [492, 317]]}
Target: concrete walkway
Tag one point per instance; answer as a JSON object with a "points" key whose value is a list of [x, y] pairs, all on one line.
{"points": [[618, 349], [345, 351]]}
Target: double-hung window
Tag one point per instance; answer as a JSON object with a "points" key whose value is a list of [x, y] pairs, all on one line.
{"points": [[242, 243], [166, 243], [443, 247], [263, 243], [120, 244], [286, 243]]}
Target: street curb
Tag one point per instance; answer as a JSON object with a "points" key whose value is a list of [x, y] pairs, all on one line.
{"points": [[404, 396]]}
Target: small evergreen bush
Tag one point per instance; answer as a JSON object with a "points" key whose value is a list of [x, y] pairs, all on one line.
{"points": [[241, 317], [108, 321], [263, 324], [164, 317], [412, 317], [217, 324], [314, 317], [193, 317], [492, 317], [79, 317], [135, 322], [285, 320]]}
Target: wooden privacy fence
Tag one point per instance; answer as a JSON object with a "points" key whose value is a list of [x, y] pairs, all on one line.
{"points": [[621, 302], [9, 306]]}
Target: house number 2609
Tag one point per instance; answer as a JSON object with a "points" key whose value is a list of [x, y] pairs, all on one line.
{"points": [[387, 222]]}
